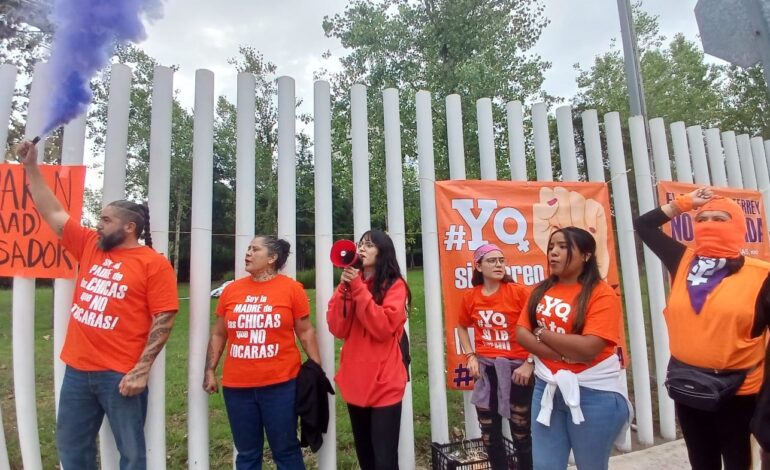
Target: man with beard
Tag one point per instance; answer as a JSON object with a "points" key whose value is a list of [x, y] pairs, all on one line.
{"points": [[122, 312]]}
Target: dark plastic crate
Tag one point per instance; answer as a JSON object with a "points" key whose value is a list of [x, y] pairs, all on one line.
{"points": [[445, 456]]}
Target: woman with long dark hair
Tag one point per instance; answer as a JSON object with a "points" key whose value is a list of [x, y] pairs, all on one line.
{"points": [[572, 325], [368, 312], [502, 368], [258, 318]]}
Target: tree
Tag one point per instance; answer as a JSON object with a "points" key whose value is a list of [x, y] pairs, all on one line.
{"points": [[476, 49], [679, 85], [747, 101]]}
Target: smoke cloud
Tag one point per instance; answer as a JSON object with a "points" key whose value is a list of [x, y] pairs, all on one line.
{"points": [[86, 33]]}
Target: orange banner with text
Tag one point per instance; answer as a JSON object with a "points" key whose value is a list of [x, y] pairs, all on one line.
{"points": [[519, 217], [681, 228], [28, 247]]}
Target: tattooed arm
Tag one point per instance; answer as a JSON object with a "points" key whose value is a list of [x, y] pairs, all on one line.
{"points": [[214, 352], [135, 381]]}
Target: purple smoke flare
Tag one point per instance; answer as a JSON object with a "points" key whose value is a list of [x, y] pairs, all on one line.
{"points": [[86, 33]]}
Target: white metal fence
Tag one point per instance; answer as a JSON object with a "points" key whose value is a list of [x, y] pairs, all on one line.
{"points": [[705, 157]]}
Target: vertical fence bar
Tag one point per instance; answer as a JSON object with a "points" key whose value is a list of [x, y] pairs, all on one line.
{"points": [[8, 74], [518, 156], [23, 308], [7, 86], [455, 141], [716, 158], [486, 139], [114, 188], [324, 271], [630, 272], [116, 139], [747, 162], [698, 155], [593, 144], [439, 424], [646, 203], [681, 152], [767, 152], [732, 161], [542, 142], [245, 169], [397, 231], [359, 128], [595, 163], [73, 146], [158, 196], [454, 124], [287, 169], [566, 133], [200, 269], [656, 289], [763, 179]]}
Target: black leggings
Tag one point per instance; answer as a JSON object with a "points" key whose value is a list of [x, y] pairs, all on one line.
{"points": [[491, 424], [712, 436], [375, 433]]}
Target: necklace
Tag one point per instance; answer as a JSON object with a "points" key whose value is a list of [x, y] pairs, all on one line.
{"points": [[264, 276]]}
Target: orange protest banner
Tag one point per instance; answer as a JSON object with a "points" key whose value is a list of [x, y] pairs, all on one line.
{"points": [[681, 227], [28, 247], [519, 217]]}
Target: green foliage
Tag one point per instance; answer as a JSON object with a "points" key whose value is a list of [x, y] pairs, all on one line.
{"points": [[679, 84], [475, 49]]}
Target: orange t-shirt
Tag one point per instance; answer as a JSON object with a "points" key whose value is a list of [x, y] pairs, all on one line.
{"points": [[602, 319], [259, 317], [719, 337], [493, 318], [117, 294]]}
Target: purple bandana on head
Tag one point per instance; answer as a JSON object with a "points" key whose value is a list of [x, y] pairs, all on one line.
{"points": [[705, 274]]}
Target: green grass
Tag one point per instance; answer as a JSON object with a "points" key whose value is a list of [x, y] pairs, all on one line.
{"points": [[220, 445]]}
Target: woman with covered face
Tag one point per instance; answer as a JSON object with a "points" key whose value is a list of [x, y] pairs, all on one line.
{"points": [[257, 319], [502, 368], [368, 312], [572, 325], [717, 316]]}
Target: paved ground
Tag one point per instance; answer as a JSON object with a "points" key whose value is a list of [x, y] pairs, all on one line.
{"points": [[669, 456]]}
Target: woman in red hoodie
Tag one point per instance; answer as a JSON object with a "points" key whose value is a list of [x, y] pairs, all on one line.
{"points": [[368, 312]]}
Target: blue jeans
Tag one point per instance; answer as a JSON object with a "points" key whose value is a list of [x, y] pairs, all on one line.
{"points": [[271, 408], [591, 441], [84, 400]]}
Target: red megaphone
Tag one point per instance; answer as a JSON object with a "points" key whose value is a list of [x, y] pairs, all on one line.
{"points": [[344, 253]]}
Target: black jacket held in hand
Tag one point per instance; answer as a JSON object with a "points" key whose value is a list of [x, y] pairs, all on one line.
{"points": [[312, 404]]}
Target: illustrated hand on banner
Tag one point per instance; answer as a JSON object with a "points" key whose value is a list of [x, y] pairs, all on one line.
{"points": [[559, 207]]}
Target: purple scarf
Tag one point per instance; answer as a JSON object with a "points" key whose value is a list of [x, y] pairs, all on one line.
{"points": [[705, 274]]}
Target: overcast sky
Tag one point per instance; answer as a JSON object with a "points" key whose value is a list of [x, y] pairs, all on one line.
{"points": [[204, 34]]}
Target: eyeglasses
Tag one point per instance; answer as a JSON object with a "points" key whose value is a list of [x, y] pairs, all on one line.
{"points": [[495, 261]]}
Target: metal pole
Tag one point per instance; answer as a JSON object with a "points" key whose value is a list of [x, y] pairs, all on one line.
{"points": [[631, 55]]}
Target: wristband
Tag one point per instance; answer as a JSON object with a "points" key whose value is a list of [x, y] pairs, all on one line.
{"points": [[683, 203]]}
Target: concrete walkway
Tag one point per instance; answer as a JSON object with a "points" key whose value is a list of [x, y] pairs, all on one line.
{"points": [[669, 456]]}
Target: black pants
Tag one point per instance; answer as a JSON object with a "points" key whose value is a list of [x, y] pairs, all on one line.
{"points": [[713, 436], [375, 433], [491, 424]]}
